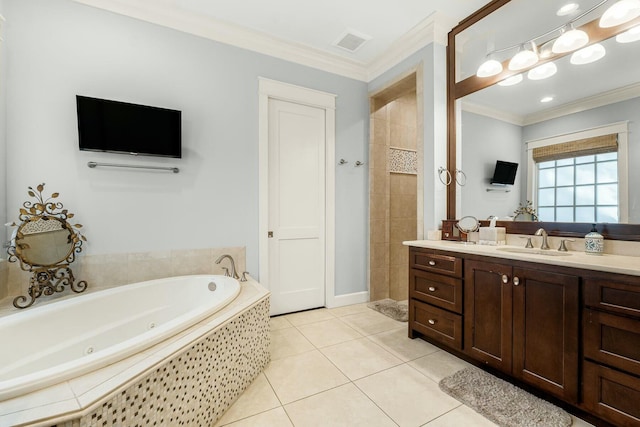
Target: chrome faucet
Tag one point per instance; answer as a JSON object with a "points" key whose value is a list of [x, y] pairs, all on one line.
{"points": [[233, 272], [542, 232]]}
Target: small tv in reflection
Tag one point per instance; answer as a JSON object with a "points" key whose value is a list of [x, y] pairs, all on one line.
{"points": [[504, 173]]}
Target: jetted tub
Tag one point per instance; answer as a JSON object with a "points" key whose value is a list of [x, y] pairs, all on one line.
{"points": [[46, 345]]}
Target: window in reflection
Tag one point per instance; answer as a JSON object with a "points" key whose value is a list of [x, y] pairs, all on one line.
{"points": [[579, 189]]}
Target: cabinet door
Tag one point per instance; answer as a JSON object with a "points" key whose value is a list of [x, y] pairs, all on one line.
{"points": [[545, 331], [487, 313]]}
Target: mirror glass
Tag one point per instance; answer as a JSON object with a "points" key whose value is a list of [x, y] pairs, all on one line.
{"points": [[45, 241], [495, 123]]}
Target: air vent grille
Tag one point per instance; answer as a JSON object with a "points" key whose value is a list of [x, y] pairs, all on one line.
{"points": [[351, 40]]}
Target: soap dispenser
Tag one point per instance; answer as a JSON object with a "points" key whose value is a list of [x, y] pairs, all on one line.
{"points": [[594, 242]]}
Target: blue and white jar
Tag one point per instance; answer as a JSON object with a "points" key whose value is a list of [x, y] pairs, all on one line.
{"points": [[594, 242]]}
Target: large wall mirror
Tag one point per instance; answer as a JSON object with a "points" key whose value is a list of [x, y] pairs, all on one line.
{"points": [[571, 120]]}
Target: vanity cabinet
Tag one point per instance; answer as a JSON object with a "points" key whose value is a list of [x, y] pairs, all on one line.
{"points": [[611, 341], [524, 322]]}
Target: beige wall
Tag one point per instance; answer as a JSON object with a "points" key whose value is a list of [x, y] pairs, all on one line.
{"points": [[393, 196]]}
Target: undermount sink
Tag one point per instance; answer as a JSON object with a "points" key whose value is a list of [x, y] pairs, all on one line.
{"points": [[547, 252]]}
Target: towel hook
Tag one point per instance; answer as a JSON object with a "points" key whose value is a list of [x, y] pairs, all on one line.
{"points": [[359, 163], [343, 162]]}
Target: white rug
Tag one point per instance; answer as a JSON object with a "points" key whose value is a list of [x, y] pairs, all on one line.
{"points": [[502, 402]]}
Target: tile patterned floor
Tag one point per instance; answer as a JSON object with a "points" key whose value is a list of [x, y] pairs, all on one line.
{"points": [[351, 366]]}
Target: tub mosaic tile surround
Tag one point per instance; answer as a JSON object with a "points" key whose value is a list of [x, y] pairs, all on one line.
{"points": [[190, 379], [107, 271]]}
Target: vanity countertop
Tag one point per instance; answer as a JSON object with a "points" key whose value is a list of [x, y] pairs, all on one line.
{"points": [[621, 264]]}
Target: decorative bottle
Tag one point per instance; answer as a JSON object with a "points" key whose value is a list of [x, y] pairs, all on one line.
{"points": [[594, 242]]}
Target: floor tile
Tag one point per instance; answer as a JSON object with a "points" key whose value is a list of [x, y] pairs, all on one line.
{"points": [[371, 322], [311, 316], [288, 342], [400, 345], [328, 332], [359, 358], [409, 398], [259, 397], [349, 309], [273, 418], [461, 416], [439, 365], [300, 376], [279, 322], [577, 422], [342, 406]]}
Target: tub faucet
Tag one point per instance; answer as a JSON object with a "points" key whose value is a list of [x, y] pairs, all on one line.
{"points": [[542, 232], [233, 273]]}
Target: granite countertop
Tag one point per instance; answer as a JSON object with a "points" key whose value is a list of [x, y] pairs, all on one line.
{"points": [[622, 264]]}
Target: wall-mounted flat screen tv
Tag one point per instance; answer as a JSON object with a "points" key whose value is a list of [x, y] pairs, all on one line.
{"points": [[120, 127], [504, 173]]}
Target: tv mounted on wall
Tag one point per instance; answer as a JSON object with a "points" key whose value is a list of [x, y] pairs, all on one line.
{"points": [[504, 173], [120, 127]]}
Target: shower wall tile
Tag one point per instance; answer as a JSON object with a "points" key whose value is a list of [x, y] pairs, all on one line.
{"points": [[4, 279]]}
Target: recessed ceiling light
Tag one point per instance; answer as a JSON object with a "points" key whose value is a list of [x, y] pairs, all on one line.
{"points": [[547, 99], [510, 81], [567, 9], [543, 71], [588, 54], [632, 35]]}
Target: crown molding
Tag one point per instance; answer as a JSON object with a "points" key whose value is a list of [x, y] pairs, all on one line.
{"points": [[600, 100], [235, 35], [494, 113]]}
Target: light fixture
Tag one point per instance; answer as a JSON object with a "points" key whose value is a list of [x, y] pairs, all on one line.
{"points": [[547, 99], [489, 68], [570, 39], [632, 35], [543, 71], [619, 13], [510, 81], [525, 58], [567, 9], [588, 54]]}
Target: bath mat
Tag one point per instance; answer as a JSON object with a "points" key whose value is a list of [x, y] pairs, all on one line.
{"points": [[397, 310], [501, 402]]}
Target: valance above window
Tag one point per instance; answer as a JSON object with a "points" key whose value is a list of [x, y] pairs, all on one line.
{"points": [[580, 147]]}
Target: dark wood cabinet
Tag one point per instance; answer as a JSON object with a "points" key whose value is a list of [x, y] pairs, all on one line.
{"points": [[524, 322]]}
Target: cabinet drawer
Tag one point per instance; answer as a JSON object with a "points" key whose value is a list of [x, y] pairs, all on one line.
{"points": [[613, 340], [436, 263], [612, 295], [611, 394], [436, 289], [436, 323]]}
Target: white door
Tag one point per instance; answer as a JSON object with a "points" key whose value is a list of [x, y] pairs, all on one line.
{"points": [[296, 253]]}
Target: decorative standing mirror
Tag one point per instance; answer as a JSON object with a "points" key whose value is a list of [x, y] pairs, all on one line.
{"points": [[45, 244], [467, 225]]}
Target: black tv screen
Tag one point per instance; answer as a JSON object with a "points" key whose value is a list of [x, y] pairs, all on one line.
{"points": [[505, 173], [120, 127]]}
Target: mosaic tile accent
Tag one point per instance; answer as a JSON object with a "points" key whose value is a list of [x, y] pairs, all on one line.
{"points": [[198, 385], [403, 161]]}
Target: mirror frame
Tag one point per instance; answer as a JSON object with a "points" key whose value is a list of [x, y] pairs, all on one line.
{"points": [[456, 90]]}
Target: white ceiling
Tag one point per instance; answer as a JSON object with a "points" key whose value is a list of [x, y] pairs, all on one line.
{"points": [[285, 28]]}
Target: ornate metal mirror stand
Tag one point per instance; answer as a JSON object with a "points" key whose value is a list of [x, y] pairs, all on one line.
{"points": [[45, 244]]}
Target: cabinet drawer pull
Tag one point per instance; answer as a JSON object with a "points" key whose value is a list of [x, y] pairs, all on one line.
{"points": [[516, 281], [432, 322], [432, 289], [505, 278], [432, 263]]}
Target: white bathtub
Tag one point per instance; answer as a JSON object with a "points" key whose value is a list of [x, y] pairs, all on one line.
{"points": [[46, 345]]}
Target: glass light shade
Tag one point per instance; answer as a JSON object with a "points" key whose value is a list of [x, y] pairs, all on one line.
{"points": [[542, 71], [567, 9], [588, 54], [570, 40], [547, 99], [489, 68], [523, 59], [619, 13], [510, 81], [632, 35]]}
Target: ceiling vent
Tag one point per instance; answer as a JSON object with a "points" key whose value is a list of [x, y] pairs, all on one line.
{"points": [[351, 40]]}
